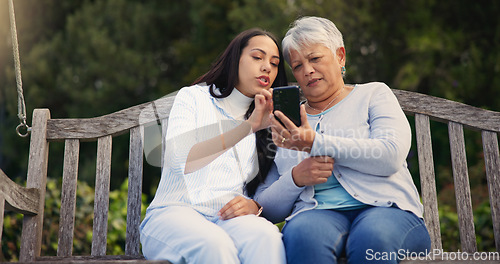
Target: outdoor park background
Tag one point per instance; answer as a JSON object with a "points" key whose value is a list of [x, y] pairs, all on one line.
{"points": [[84, 58]]}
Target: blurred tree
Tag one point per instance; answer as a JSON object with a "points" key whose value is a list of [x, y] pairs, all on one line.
{"points": [[36, 21], [105, 52], [108, 55]]}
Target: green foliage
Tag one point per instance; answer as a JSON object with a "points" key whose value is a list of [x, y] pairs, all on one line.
{"points": [[11, 237], [482, 221], [448, 221]]}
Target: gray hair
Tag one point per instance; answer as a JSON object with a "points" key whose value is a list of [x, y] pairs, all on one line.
{"points": [[309, 31]]}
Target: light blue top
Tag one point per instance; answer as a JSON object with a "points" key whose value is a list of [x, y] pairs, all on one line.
{"points": [[195, 117], [331, 194], [369, 137]]}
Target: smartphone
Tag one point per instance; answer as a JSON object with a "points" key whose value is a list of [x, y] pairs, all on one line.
{"points": [[287, 100]]}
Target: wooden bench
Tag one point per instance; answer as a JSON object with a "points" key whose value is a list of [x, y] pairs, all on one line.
{"points": [[29, 200]]}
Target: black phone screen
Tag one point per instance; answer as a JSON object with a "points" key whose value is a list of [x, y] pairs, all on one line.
{"points": [[287, 100]]}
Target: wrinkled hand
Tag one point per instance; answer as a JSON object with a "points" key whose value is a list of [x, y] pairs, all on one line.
{"points": [[259, 119], [292, 137], [313, 170], [238, 206]]}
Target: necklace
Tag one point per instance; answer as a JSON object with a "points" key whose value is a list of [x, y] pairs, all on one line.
{"points": [[326, 107]]}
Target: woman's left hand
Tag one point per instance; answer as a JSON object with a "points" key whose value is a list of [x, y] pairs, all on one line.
{"points": [[238, 206], [293, 137]]}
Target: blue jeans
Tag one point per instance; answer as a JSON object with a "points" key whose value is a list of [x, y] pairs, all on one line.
{"points": [[367, 235]]}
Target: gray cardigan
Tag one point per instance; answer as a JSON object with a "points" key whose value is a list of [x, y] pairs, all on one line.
{"points": [[368, 136]]}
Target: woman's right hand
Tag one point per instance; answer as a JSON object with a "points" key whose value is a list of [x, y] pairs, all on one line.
{"points": [[259, 119], [313, 170], [293, 137]]}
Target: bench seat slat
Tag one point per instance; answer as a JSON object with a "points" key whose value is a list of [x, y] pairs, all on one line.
{"points": [[462, 188], [492, 163], [101, 202], [427, 179], [68, 198], [100, 259], [451, 258]]}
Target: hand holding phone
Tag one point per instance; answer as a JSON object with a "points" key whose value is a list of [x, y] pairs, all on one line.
{"points": [[287, 100]]}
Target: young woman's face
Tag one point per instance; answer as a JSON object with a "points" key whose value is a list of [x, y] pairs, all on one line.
{"points": [[258, 66]]}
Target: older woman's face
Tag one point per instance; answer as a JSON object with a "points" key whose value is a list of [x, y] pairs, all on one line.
{"points": [[317, 70]]}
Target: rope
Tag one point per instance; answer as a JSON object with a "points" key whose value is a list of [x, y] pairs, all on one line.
{"points": [[21, 106]]}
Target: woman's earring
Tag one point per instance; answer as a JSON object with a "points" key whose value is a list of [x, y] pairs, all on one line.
{"points": [[342, 71]]}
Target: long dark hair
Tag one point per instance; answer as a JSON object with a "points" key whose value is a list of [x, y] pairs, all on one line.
{"points": [[224, 75]]}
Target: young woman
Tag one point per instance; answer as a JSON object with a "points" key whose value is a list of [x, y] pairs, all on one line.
{"points": [[202, 212]]}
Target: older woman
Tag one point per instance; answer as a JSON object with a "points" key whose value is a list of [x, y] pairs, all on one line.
{"points": [[341, 179]]}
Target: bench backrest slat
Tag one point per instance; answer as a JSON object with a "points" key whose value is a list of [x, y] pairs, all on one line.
{"points": [[134, 191], [31, 238], [427, 178], [101, 202], [68, 198], [492, 163], [462, 187]]}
